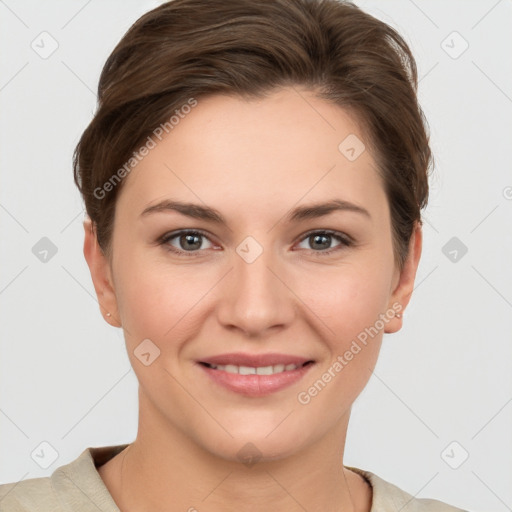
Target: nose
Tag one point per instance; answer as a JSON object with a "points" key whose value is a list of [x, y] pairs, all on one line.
{"points": [[256, 297]]}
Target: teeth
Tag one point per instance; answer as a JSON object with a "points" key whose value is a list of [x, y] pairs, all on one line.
{"points": [[260, 370], [244, 370]]}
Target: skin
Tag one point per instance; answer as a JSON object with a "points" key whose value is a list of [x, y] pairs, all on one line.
{"points": [[253, 161]]}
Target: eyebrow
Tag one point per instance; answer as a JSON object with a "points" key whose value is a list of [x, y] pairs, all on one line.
{"points": [[207, 213]]}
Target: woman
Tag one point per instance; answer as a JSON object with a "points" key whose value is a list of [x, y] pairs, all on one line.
{"points": [[253, 179]]}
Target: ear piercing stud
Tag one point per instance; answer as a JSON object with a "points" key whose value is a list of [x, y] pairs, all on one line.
{"points": [[108, 314], [398, 315]]}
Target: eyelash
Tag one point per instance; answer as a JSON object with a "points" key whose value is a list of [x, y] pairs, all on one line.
{"points": [[345, 240]]}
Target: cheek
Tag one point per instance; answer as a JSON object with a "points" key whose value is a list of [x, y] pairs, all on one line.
{"points": [[157, 300], [347, 299], [348, 303]]}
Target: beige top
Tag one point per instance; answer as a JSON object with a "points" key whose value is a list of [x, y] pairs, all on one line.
{"points": [[77, 486]]}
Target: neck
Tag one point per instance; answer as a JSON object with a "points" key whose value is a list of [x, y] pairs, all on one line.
{"points": [[164, 469]]}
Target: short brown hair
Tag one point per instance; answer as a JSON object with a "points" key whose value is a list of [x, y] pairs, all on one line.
{"points": [[193, 48]]}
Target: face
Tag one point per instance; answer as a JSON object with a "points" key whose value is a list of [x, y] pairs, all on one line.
{"points": [[268, 274]]}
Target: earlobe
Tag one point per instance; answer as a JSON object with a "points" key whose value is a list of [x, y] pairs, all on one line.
{"points": [[101, 274], [402, 292]]}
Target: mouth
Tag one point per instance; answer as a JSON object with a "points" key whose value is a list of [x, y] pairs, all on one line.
{"points": [[256, 370], [255, 376]]}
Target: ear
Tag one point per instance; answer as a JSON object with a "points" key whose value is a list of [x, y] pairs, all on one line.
{"points": [[101, 274], [403, 282]]}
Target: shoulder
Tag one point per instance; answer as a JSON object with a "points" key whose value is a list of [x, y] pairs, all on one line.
{"points": [[33, 494], [387, 497], [73, 486]]}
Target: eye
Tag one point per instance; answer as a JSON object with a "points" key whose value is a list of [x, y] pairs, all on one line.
{"points": [[188, 241], [321, 240]]}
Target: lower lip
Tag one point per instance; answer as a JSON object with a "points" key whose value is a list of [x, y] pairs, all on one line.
{"points": [[256, 385]]}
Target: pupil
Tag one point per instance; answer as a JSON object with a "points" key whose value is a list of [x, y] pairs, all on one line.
{"points": [[189, 240], [193, 241], [325, 244]]}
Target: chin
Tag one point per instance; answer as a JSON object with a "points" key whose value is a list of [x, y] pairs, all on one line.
{"points": [[252, 450], [258, 441]]}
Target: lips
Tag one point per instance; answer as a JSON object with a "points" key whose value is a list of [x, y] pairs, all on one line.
{"points": [[255, 375]]}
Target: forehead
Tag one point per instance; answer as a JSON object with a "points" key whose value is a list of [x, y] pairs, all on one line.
{"points": [[235, 154]]}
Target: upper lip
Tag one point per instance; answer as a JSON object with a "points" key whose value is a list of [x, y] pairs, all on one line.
{"points": [[241, 359]]}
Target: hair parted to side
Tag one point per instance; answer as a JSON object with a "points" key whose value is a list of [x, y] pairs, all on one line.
{"points": [[188, 49]]}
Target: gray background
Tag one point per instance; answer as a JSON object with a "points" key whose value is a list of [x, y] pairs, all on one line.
{"points": [[443, 381]]}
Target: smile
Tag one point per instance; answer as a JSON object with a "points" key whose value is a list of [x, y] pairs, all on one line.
{"points": [[255, 381]]}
